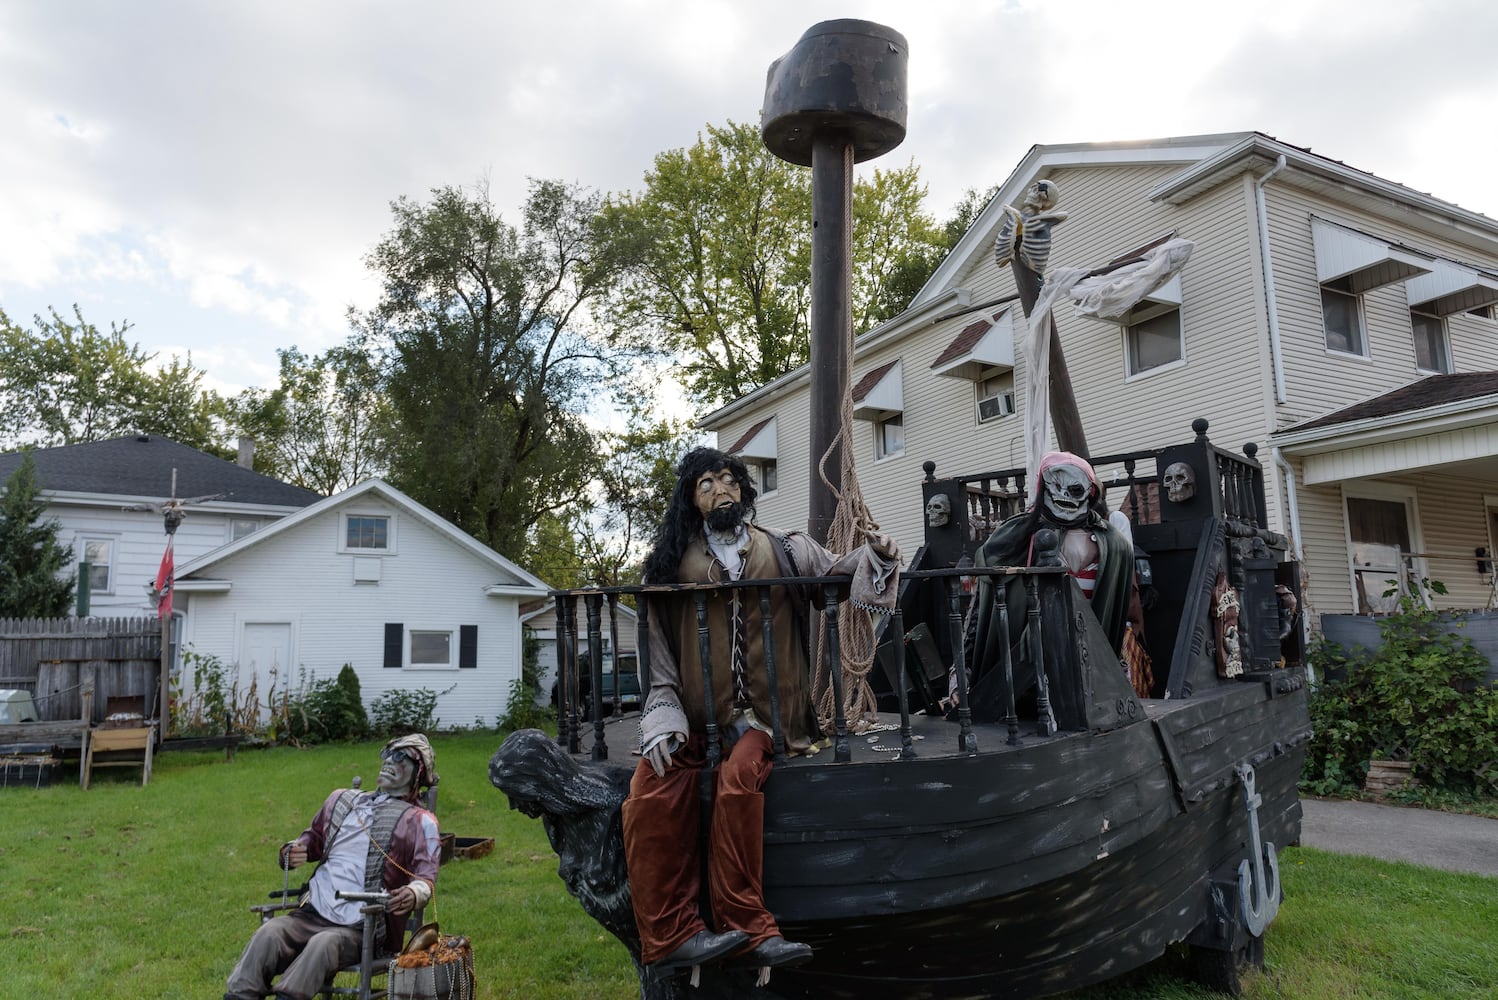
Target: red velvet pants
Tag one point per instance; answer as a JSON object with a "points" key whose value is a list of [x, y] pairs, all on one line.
{"points": [[663, 846]]}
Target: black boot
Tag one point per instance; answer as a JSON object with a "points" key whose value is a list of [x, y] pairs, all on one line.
{"points": [[776, 953], [704, 947]]}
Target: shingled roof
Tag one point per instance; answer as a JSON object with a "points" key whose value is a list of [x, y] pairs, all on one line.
{"points": [[141, 466], [1433, 390]]}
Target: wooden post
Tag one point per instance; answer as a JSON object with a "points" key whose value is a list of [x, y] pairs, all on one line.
{"points": [[1065, 417]]}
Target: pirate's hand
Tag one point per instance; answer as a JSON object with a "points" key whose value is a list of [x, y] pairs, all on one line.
{"points": [[293, 855], [402, 900], [659, 752], [884, 546]]}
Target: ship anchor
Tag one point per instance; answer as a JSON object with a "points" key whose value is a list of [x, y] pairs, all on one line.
{"points": [[1258, 897]]}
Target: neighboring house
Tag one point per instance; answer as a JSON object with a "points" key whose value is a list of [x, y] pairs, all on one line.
{"points": [[540, 620], [370, 578], [1343, 322], [105, 496]]}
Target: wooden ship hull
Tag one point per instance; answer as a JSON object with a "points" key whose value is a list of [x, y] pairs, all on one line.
{"points": [[1025, 871]]}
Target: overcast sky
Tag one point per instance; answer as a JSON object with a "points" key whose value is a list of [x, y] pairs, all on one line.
{"points": [[214, 173]]}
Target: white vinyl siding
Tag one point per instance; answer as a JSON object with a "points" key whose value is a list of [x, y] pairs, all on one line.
{"points": [[337, 621]]}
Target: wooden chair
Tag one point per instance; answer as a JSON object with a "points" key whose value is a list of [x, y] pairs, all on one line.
{"points": [[138, 742], [373, 964]]}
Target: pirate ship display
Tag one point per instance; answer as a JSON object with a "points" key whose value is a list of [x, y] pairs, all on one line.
{"points": [[1022, 820]]}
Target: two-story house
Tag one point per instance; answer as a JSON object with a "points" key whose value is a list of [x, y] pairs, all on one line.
{"points": [[1344, 323]]}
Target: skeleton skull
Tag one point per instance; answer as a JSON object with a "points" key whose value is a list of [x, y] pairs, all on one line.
{"points": [[938, 510], [1066, 493], [1180, 482]]}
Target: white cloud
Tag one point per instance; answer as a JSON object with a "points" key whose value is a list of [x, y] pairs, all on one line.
{"points": [[227, 166]]}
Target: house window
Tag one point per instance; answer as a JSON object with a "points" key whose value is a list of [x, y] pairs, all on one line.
{"points": [[766, 475], [1342, 316], [889, 436], [995, 397], [242, 526], [1431, 352], [1484, 312], [1154, 341], [369, 532], [99, 554], [431, 648]]}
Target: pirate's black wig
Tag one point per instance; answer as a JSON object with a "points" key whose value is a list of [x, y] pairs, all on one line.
{"points": [[683, 521]]}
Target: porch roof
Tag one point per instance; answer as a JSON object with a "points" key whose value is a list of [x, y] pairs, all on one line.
{"points": [[1434, 421]]}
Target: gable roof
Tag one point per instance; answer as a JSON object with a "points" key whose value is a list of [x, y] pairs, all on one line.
{"points": [[521, 582], [140, 466]]}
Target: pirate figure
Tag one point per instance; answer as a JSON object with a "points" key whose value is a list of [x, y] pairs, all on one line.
{"points": [[707, 537], [365, 842]]}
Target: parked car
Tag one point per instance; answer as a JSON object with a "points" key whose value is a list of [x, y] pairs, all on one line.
{"points": [[629, 687]]}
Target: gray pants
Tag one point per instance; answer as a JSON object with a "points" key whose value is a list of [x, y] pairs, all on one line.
{"points": [[303, 947]]}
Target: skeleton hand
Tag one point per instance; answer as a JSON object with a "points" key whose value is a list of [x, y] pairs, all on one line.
{"points": [[659, 752], [293, 855], [402, 900]]}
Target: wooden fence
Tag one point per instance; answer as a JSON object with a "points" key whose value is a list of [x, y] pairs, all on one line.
{"points": [[55, 659]]}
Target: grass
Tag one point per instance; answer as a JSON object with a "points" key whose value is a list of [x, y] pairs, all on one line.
{"points": [[128, 892]]}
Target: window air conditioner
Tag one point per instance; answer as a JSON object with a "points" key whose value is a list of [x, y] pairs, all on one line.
{"points": [[998, 405]]}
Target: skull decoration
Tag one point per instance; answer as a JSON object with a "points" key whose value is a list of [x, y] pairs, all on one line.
{"points": [[1066, 493], [1180, 482], [938, 511]]}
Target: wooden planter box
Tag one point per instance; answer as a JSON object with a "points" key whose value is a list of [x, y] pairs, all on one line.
{"points": [[1385, 776], [472, 847]]}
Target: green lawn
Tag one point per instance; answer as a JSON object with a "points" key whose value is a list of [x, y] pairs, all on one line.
{"points": [[129, 892]]}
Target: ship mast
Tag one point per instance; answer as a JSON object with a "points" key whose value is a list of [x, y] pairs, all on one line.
{"points": [[837, 98]]}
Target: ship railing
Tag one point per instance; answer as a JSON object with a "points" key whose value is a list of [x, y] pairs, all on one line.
{"points": [[824, 595]]}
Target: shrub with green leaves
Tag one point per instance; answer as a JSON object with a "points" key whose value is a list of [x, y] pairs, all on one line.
{"points": [[1419, 697], [329, 710], [396, 713]]}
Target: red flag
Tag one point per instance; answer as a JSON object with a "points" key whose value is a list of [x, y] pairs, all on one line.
{"points": [[164, 583]]}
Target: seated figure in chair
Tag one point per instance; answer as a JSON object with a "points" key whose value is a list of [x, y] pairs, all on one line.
{"points": [[365, 842]]}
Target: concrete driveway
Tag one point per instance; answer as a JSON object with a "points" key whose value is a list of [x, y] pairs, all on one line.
{"points": [[1452, 841]]}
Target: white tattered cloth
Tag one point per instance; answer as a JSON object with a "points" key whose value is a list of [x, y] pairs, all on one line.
{"points": [[1103, 296]]}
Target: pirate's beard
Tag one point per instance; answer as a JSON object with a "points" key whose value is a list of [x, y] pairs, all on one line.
{"points": [[725, 518]]}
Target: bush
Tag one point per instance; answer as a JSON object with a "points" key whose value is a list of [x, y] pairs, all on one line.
{"points": [[329, 710], [214, 706], [396, 713], [522, 712], [1419, 698]]}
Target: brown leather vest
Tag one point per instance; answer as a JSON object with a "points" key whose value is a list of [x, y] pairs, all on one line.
{"points": [[761, 561]]}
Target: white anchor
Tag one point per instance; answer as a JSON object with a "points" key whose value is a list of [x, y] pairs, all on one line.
{"points": [[1259, 900]]}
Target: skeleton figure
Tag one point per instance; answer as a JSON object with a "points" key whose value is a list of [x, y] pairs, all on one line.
{"points": [[1180, 482], [1026, 232], [938, 511]]}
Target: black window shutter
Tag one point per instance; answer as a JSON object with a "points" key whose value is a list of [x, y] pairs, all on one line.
{"points": [[394, 639], [468, 646]]}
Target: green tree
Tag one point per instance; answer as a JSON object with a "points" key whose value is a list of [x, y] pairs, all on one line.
{"points": [[321, 426], [68, 382], [634, 489], [719, 252], [33, 565], [490, 365]]}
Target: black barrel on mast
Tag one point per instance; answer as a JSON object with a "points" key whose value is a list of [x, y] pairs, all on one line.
{"points": [[837, 98]]}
